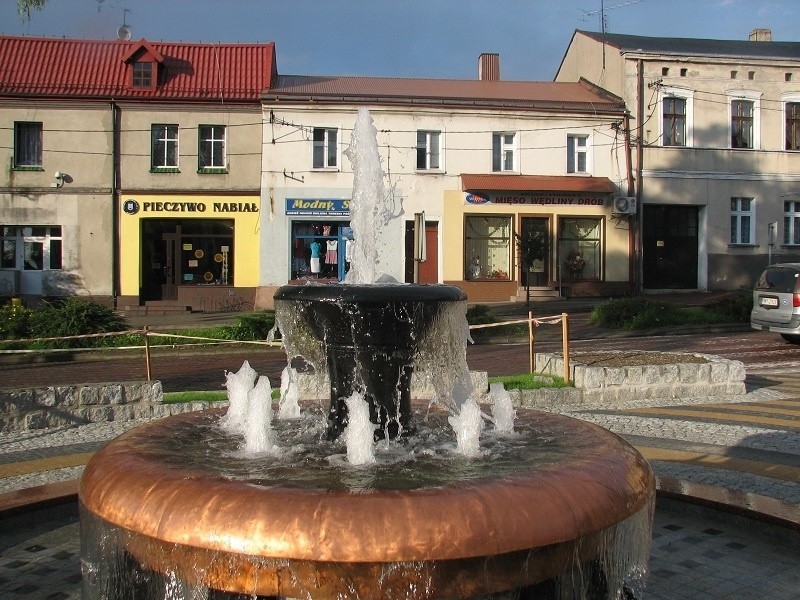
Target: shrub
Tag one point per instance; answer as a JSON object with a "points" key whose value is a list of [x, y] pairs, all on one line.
{"points": [[74, 316], [480, 314], [253, 326], [733, 308], [634, 313], [15, 322]]}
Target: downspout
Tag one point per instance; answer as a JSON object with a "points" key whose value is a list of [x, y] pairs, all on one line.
{"points": [[639, 169], [115, 197], [633, 223]]}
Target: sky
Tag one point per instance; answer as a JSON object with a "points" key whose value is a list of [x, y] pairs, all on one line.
{"points": [[405, 38]]}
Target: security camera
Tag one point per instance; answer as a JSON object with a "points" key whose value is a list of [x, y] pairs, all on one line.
{"points": [[59, 175]]}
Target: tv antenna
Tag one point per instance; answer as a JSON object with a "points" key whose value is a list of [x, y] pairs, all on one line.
{"points": [[124, 32]]}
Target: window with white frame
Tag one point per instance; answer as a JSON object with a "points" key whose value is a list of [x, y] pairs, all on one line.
{"points": [[577, 153], [744, 117], [428, 150], [742, 220], [30, 247], [676, 105], [504, 152], [27, 145], [164, 154], [792, 125], [325, 148], [487, 247], [211, 153], [791, 223]]}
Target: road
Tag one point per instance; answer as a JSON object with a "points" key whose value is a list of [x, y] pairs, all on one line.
{"points": [[181, 369]]}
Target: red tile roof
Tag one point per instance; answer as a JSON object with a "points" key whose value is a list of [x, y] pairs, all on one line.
{"points": [[60, 68], [580, 95], [554, 183]]}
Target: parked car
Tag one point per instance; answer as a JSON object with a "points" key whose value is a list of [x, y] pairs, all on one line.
{"points": [[776, 301]]}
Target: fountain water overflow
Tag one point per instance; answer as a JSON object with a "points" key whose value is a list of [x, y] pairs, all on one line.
{"points": [[428, 500]]}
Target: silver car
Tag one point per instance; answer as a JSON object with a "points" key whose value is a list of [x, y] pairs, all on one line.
{"points": [[776, 301]]}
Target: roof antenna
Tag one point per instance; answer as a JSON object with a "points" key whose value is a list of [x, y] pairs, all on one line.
{"points": [[124, 32]]}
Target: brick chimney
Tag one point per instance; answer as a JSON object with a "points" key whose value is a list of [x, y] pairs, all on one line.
{"points": [[489, 67], [760, 35]]}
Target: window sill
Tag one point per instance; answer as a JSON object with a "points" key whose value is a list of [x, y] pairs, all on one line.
{"points": [[325, 169], [430, 171], [165, 170], [26, 168], [212, 171], [742, 245]]}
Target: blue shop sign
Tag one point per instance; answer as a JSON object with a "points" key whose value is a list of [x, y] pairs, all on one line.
{"points": [[318, 207]]}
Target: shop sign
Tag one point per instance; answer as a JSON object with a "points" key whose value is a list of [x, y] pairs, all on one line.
{"points": [[132, 207], [318, 207], [535, 198]]}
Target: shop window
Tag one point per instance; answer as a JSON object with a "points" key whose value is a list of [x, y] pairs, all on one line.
{"points": [[580, 247], [320, 250], [791, 223], [325, 148], [742, 221], [504, 152], [30, 247], [428, 150], [487, 246], [27, 145], [164, 153], [211, 153], [577, 154], [206, 252]]}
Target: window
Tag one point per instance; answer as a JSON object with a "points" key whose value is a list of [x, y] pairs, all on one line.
{"points": [[211, 154], [143, 74], [742, 221], [30, 247], [487, 247], [165, 147], [579, 247], [792, 125], [325, 148], [504, 152], [742, 124], [27, 145], [428, 150], [577, 154], [674, 132], [791, 223]]}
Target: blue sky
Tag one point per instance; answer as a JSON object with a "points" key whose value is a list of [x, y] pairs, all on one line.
{"points": [[405, 38]]}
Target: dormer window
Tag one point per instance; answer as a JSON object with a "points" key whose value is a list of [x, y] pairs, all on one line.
{"points": [[143, 74]]}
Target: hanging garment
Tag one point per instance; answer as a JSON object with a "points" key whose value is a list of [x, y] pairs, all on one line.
{"points": [[331, 252]]}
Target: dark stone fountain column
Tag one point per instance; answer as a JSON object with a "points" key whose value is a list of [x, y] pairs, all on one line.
{"points": [[371, 334]]}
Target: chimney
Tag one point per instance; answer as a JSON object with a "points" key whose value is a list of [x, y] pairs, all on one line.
{"points": [[489, 67], [761, 35]]}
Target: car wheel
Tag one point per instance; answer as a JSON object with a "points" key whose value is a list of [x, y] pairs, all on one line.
{"points": [[794, 339]]}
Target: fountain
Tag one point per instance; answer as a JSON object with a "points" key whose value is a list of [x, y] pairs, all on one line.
{"points": [[429, 500]]}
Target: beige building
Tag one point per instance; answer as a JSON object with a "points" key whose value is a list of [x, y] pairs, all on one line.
{"points": [[133, 171], [479, 161], [716, 131]]}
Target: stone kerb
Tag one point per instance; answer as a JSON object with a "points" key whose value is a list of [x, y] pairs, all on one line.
{"points": [[624, 377], [70, 405]]}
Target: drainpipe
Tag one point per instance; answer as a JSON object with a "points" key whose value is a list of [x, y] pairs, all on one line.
{"points": [[115, 192], [633, 223], [639, 168]]}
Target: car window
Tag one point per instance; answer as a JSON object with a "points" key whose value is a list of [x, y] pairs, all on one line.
{"points": [[779, 280]]}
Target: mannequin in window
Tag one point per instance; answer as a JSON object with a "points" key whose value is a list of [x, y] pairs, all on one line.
{"points": [[315, 267]]}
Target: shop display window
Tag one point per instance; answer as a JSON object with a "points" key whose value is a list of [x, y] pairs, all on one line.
{"points": [[319, 250], [580, 248], [487, 243]]}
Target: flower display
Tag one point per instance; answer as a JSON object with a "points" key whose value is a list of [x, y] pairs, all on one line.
{"points": [[575, 262]]}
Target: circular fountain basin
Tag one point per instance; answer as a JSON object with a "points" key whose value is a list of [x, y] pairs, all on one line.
{"points": [[502, 521]]}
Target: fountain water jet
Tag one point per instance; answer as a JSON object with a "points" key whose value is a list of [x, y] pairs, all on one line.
{"points": [[559, 508]]}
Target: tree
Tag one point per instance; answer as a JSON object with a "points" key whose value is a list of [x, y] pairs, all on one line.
{"points": [[24, 7], [532, 246]]}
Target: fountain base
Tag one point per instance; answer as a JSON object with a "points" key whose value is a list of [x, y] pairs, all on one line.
{"points": [[578, 516]]}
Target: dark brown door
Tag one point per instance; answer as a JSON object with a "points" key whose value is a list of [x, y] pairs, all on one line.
{"points": [[669, 247]]}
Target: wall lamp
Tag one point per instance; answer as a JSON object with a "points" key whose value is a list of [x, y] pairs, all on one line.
{"points": [[61, 179]]}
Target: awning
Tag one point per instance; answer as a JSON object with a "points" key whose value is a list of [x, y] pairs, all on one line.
{"points": [[554, 183]]}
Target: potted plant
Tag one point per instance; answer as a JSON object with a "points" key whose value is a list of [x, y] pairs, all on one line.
{"points": [[575, 263]]}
